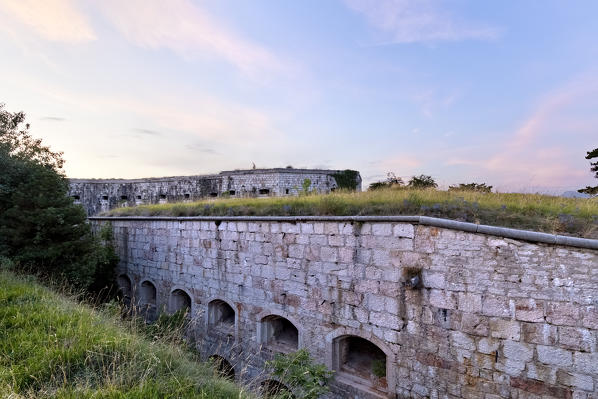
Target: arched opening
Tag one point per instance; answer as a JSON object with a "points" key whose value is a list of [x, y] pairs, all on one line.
{"points": [[358, 361], [125, 291], [221, 316], [223, 367], [275, 389], [148, 293], [180, 301], [279, 334]]}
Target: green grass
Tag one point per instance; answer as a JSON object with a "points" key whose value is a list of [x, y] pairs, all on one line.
{"points": [[54, 347], [572, 216]]}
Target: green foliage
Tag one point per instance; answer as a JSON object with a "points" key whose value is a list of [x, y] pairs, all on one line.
{"points": [[379, 368], [422, 181], [297, 370], [40, 228], [479, 187], [169, 326], [306, 184], [594, 168], [392, 181], [52, 347], [346, 179]]}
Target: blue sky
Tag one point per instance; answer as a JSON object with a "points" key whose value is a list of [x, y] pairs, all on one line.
{"points": [[499, 92]]}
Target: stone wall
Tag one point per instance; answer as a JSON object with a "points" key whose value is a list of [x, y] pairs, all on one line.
{"points": [[491, 317], [100, 195]]}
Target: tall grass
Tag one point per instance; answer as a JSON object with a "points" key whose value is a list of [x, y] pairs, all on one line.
{"points": [[53, 347], [573, 216]]}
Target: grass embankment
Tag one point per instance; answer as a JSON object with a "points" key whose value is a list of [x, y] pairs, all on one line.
{"points": [[51, 346], [572, 216]]}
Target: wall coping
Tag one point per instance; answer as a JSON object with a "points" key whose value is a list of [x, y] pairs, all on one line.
{"points": [[525, 235]]}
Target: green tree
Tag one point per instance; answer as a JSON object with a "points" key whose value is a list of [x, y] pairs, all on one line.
{"points": [[392, 180], [594, 168], [422, 181], [40, 227]]}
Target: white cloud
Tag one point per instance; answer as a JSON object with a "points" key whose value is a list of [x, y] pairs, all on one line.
{"points": [[55, 20], [412, 21], [186, 29]]}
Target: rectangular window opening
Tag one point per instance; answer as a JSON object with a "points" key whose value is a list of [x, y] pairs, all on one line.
{"points": [[213, 194], [124, 197], [187, 196], [231, 192], [105, 197], [264, 191], [76, 197]]}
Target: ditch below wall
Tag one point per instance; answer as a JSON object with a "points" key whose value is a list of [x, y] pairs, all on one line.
{"points": [[492, 317]]}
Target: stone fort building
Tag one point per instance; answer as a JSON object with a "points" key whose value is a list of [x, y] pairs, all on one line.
{"points": [[397, 306], [100, 195]]}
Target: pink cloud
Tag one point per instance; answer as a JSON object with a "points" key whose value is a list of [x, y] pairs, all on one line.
{"points": [[55, 20]]}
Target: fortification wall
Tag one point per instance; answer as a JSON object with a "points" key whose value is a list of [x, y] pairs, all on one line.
{"points": [[100, 195], [491, 317]]}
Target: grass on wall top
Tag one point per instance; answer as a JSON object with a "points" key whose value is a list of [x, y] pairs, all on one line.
{"points": [[571, 216], [53, 347]]}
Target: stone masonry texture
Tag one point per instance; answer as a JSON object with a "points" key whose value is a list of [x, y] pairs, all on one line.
{"points": [[493, 317], [100, 195]]}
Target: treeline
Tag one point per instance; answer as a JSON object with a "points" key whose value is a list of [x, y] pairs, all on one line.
{"points": [[425, 181]]}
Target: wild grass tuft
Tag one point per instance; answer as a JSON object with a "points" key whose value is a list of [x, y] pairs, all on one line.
{"points": [[54, 347], [572, 216]]}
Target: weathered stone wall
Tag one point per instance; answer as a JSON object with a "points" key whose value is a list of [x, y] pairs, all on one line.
{"points": [[100, 195], [493, 317]]}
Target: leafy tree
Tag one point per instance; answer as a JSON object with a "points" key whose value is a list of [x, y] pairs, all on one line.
{"points": [[40, 227], [422, 181], [298, 371], [479, 187], [594, 168], [392, 180]]}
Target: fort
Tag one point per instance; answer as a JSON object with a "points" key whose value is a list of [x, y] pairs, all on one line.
{"points": [[397, 306], [100, 195]]}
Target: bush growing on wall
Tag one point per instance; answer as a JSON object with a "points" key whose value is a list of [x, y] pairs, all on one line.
{"points": [[40, 227]]}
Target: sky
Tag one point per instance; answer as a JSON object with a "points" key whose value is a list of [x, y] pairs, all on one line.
{"points": [[501, 92]]}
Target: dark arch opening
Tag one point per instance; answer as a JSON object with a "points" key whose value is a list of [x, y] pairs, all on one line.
{"points": [[223, 367], [279, 333], [221, 316], [358, 360], [125, 288], [148, 293], [180, 301], [275, 389]]}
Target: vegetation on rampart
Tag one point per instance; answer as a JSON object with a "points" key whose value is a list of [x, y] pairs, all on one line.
{"points": [[571, 216], [53, 347]]}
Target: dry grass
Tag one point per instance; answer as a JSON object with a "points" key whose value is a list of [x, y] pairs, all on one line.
{"points": [[571, 216]]}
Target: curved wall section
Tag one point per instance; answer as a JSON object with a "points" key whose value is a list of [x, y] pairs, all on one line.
{"points": [[399, 309]]}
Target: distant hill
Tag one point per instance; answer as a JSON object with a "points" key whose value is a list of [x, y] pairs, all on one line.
{"points": [[575, 194]]}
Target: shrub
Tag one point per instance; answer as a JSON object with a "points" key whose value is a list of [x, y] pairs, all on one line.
{"points": [[298, 371], [478, 187], [422, 181]]}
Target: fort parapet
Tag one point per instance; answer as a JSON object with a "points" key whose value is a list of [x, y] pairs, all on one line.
{"points": [[403, 306], [100, 195]]}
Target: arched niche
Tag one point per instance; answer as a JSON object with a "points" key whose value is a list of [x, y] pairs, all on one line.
{"points": [[179, 300], [221, 317], [125, 288], [278, 333], [223, 367], [148, 294], [362, 364], [275, 389]]}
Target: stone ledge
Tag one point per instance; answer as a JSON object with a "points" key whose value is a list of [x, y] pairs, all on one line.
{"points": [[525, 235]]}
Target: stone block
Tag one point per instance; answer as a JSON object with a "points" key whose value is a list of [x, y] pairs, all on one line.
{"points": [[556, 356], [470, 302], [496, 306], [518, 351], [579, 339], [382, 229], [405, 230], [529, 310], [586, 362], [562, 313], [507, 329]]}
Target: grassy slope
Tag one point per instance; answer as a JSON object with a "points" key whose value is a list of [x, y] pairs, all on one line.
{"points": [[550, 214], [51, 346]]}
